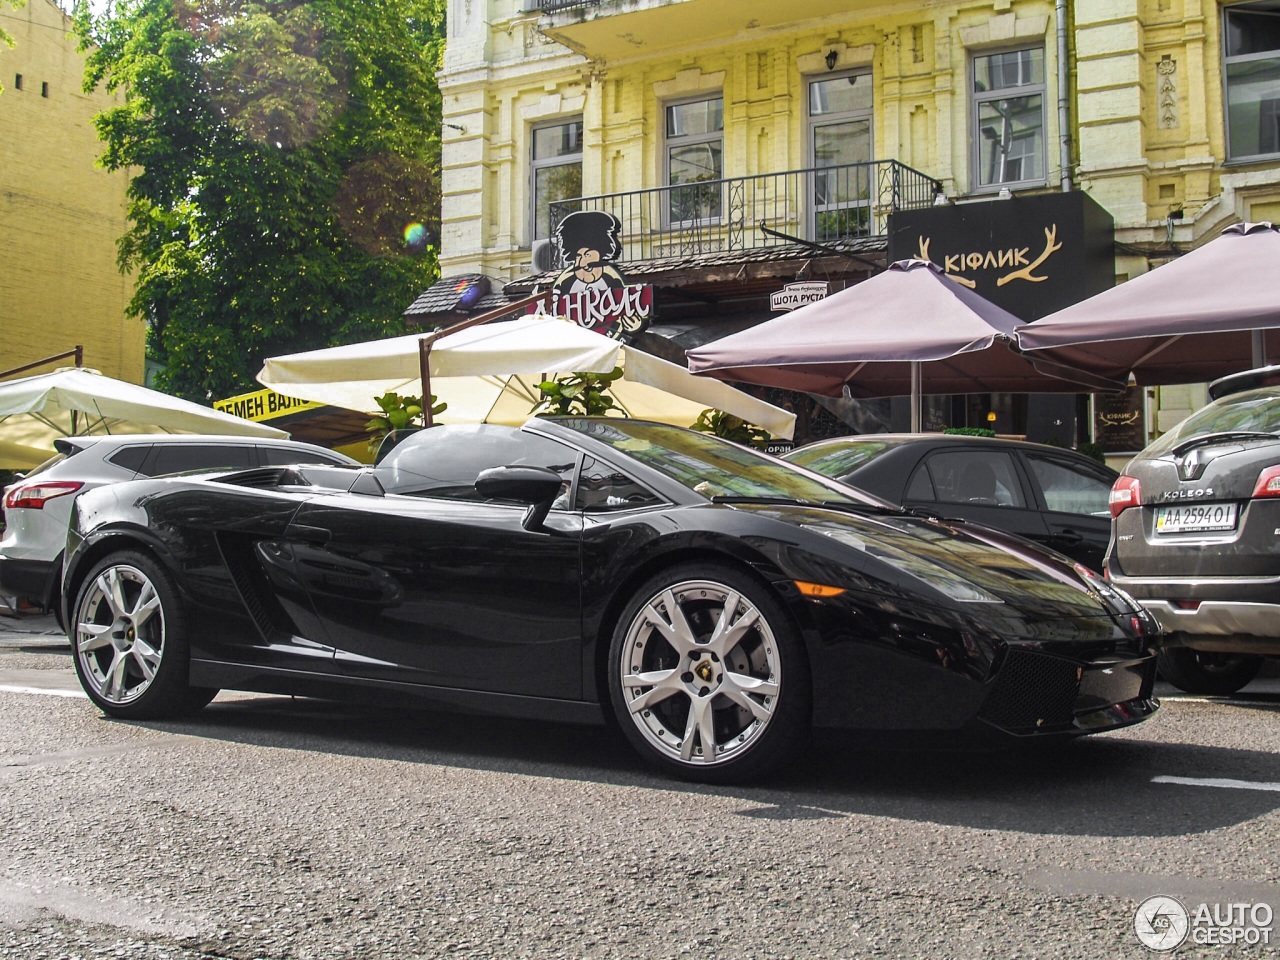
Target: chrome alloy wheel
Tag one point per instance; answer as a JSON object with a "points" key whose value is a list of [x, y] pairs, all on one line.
{"points": [[120, 633], [700, 672]]}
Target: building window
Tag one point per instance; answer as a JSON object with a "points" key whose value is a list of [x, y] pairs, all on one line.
{"points": [[17, 81], [557, 173], [694, 158], [1252, 61], [840, 151], [44, 89], [1008, 112]]}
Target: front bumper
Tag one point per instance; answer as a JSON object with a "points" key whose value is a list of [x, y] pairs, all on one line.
{"points": [[1035, 693]]}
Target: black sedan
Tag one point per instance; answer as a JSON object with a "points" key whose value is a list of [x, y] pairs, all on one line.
{"points": [[1056, 497], [718, 602]]}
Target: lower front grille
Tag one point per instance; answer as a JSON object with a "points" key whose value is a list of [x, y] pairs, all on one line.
{"points": [[1033, 691]]}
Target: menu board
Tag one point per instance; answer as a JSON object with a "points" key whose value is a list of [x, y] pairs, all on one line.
{"points": [[1119, 421]]}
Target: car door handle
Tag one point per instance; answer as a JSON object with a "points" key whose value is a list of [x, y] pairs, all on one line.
{"points": [[308, 534], [1068, 536]]}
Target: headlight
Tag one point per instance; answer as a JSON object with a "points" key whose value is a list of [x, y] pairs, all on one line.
{"points": [[952, 584]]}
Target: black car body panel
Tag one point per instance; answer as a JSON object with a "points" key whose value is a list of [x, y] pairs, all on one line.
{"points": [[1052, 496], [336, 582]]}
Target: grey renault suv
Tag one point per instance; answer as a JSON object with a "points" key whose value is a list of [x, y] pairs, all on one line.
{"points": [[1196, 535], [38, 507]]}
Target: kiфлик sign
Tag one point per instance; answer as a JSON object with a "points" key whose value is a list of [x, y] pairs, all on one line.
{"points": [[1031, 255]]}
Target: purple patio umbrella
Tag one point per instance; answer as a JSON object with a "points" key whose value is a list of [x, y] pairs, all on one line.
{"points": [[907, 331], [1209, 313]]}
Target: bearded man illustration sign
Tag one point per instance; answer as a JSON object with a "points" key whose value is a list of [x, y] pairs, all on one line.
{"points": [[591, 291]]}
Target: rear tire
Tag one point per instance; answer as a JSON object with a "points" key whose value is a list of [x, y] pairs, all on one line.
{"points": [[129, 640], [1200, 671], [708, 677]]}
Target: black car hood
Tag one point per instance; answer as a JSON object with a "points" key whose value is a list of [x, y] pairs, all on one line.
{"points": [[965, 565]]}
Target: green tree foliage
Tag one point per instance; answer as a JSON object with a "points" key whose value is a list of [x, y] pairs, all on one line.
{"points": [[5, 39], [281, 152]]}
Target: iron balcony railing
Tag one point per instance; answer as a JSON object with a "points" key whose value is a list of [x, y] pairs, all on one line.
{"points": [[824, 205], [551, 6]]}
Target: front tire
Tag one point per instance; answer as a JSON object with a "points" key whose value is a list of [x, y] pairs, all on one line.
{"points": [[1201, 671], [708, 677], [130, 640]]}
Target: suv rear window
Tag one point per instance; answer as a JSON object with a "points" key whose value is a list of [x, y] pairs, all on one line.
{"points": [[1253, 411], [182, 458], [131, 458]]}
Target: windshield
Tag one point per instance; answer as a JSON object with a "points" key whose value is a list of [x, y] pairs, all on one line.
{"points": [[1253, 411], [713, 467], [839, 458]]}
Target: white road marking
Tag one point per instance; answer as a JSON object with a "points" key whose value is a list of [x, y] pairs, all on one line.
{"points": [[5, 688], [1223, 701], [1219, 782]]}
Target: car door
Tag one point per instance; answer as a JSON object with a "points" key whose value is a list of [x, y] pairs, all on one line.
{"points": [[433, 586], [1076, 500], [980, 484]]}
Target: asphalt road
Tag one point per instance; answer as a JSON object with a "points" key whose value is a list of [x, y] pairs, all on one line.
{"points": [[273, 828]]}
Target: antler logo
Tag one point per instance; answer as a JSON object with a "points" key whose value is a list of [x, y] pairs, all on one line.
{"points": [[956, 264]]}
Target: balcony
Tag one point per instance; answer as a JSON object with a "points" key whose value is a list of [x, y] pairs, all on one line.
{"points": [[827, 206], [555, 6], [627, 29]]}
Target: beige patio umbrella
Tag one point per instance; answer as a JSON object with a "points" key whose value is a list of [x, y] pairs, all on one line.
{"points": [[490, 374], [78, 401]]}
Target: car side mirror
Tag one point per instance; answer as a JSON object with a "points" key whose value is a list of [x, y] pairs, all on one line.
{"points": [[536, 486]]}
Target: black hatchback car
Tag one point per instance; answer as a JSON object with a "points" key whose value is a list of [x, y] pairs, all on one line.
{"points": [[1197, 535], [1056, 497]]}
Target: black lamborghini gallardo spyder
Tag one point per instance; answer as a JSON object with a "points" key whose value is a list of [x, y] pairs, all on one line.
{"points": [[717, 601]]}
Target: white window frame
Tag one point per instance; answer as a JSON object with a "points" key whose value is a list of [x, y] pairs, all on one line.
{"points": [[536, 165], [685, 140], [1272, 9], [977, 98], [814, 122]]}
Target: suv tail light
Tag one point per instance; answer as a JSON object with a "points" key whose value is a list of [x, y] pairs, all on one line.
{"points": [[33, 496], [1126, 492], [1268, 483]]}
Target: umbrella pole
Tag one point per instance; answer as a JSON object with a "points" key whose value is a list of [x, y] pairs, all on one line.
{"points": [[916, 399], [424, 371], [425, 344]]}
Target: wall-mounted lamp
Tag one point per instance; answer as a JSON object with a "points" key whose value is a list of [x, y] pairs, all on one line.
{"points": [[940, 199], [991, 416], [831, 58], [1005, 194], [454, 126]]}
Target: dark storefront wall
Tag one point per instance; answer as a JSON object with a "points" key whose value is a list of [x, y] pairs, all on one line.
{"points": [[1031, 255]]}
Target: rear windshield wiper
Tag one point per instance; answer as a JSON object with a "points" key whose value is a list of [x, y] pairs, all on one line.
{"points": [[1225, 436]]}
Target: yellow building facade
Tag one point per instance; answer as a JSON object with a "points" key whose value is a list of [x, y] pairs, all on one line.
{"points": [[617, 100], [1158, 146], [60, 214], [620, 65]]}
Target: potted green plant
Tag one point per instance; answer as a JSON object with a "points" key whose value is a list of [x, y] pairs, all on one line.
{"points": [[578, 394], [730, 427]]}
